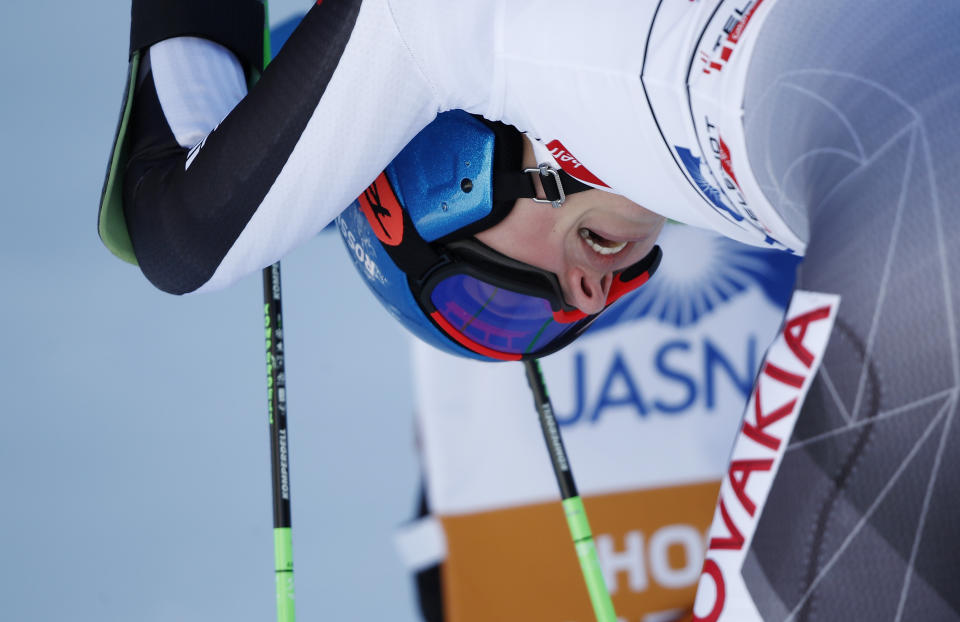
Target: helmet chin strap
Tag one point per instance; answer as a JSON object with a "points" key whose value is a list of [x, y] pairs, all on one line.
{"points": [[557, 185]]}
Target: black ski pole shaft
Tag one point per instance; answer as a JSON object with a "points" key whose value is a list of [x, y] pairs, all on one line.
{"points": [[572, 504], [279, 454]]}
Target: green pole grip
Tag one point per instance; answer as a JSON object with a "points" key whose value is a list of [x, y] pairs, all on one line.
{"points": [[589, 562], [283, 567]]}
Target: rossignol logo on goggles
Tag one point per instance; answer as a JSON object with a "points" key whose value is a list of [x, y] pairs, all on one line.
{"points": [[380, 205]]}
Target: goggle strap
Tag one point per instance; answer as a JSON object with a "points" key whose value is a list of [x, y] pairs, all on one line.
{"points": [[513, 185]]}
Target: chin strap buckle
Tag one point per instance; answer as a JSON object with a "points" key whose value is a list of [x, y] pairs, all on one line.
{"points": [[555, 194]]}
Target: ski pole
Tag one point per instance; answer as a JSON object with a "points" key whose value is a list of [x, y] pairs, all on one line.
{"points": [[279, 455], [572, 504], [277, 410]]}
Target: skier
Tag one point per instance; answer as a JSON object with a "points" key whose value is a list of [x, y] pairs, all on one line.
{"points": [[824, 129]]}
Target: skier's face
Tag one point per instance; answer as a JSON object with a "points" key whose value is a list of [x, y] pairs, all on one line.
{"points": [[593, 234]]}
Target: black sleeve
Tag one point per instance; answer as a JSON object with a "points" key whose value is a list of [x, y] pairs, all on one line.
{"points": [[183, 220]]}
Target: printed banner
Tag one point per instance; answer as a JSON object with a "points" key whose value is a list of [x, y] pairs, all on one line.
{"points": [[650, 544], [776, 400]]}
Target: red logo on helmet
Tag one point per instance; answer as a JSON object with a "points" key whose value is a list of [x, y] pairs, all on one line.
{"points": [[380, 205], [571, 166]]}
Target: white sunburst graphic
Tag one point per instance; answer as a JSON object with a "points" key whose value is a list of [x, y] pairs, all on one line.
{"points": [[700, 272]]}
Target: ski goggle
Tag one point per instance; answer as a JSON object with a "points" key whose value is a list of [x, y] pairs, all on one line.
{"points": [[469, 294], [501, 308]]}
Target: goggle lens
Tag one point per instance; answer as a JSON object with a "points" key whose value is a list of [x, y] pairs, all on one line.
{"points": [[496, 318]]}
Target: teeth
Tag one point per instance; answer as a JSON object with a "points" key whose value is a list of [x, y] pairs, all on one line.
{"points": [[592, 239]]}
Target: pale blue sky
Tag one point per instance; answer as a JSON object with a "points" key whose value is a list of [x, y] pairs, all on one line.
{"points": [[134, 462]]}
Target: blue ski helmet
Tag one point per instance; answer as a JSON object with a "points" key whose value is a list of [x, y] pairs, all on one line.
{"points": [[410, 236]]}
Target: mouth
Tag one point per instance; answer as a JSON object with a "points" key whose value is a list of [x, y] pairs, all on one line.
{"points": [[600, 244]]}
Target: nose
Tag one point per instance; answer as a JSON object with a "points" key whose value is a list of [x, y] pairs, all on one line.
{"points": [[588, 292]]}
